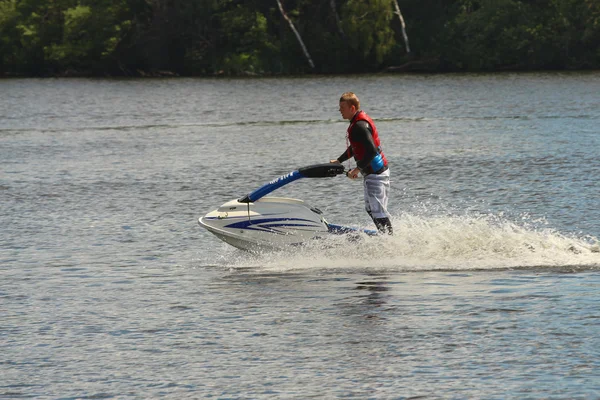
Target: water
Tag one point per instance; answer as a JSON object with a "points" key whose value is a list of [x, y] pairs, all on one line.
{"points": [[489, 289]]}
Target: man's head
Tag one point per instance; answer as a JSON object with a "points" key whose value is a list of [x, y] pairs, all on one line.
{"points": [[349, 105]]}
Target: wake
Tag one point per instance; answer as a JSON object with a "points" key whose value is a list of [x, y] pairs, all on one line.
{"points": [[425, 243]]}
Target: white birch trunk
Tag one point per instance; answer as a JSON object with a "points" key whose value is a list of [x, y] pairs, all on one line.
{"points": [[289, 21], [403, 26], [337, 18]]}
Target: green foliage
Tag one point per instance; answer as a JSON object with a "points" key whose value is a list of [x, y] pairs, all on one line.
{"points": [[44, 37], [497, 34], [490, 33], [246, 42], [233, 37], [76, 43], [9, 35], [89, 38], [368, 27]]}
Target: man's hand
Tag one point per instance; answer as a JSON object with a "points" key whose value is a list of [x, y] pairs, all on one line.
{"points": [[334, 162], [353, 174]]}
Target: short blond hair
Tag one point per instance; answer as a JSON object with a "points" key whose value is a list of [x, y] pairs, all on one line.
{"points": [[351, 99]]}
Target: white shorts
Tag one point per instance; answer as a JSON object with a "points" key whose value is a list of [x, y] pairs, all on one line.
{"points": [[377, 188]]}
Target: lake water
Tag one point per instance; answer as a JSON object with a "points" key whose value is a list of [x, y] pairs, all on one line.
{"points": [[489, 288]]}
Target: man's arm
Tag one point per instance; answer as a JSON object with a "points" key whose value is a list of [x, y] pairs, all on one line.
{"points": [[362, 133], [346, 155]]}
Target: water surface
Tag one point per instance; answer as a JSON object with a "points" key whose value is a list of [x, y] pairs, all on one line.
{"points": [[489, 289]]}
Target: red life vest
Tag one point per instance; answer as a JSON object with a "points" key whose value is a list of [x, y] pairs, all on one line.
{"points": [[357, 148]]}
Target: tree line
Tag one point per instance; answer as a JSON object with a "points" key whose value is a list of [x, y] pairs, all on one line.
{"points": [[266, 37]]}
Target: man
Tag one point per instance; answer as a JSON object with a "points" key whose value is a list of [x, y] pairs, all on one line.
{"points": [[364, 145]]}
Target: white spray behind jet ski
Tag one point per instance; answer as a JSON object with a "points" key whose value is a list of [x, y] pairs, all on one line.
{"points": [[256, 222]]}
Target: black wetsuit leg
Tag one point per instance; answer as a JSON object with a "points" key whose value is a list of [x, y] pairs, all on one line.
{"points": [[384, 225]]}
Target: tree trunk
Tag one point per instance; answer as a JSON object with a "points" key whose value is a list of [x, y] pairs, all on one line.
{"points": [[403, 26], [289, 21], [337, 19]]}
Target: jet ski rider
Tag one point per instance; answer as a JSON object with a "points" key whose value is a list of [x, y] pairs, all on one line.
{"points": [[363, 143]]}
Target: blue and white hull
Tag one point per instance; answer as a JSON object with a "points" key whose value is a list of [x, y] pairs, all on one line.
{"points": [[268, 223]]}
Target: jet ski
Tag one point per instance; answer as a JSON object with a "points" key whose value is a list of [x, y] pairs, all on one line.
{"points": [[257, 222]]}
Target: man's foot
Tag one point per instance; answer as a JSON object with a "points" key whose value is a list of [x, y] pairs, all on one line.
{"points": [[384, 225]]}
